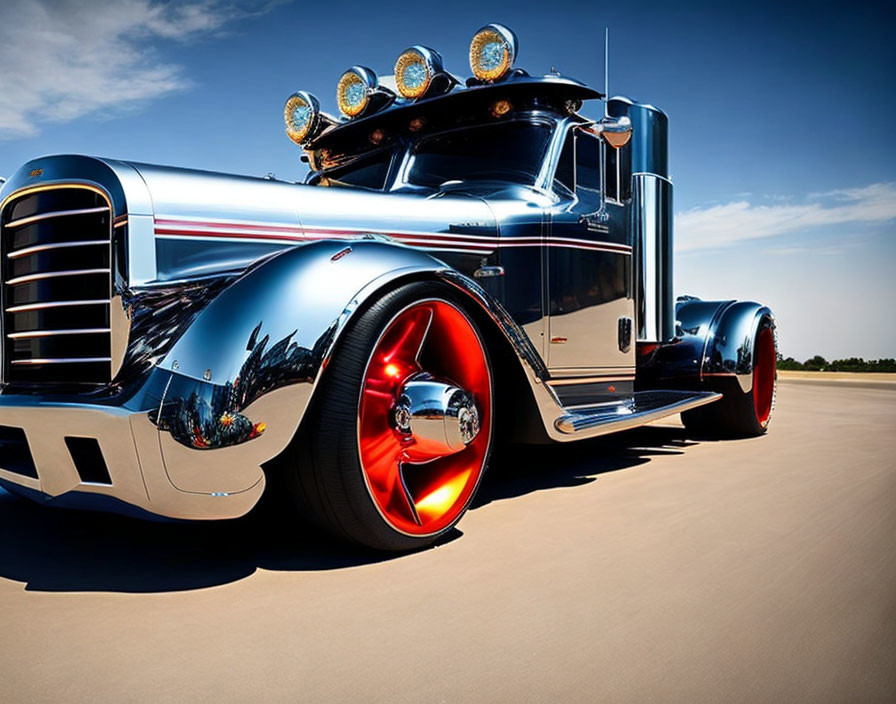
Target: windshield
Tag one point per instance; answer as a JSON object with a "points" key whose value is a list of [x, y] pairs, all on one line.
{"points": [[368, 172], [512, 151]]}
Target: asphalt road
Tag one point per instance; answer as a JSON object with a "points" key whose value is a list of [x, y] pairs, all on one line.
{"points": [[643, 567]]}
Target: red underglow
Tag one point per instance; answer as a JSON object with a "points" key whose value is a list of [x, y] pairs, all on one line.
{"points": [[645, 348], [764, 375], [422, 497]]}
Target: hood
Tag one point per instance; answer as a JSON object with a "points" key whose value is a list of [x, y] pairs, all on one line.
{"points": [[185, 223]]}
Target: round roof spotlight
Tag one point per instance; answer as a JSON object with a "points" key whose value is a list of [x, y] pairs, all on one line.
{"points": [[416, 71], [356, 86], [302, 115], [492, 52]]}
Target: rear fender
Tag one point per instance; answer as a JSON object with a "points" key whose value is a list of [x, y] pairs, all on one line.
{"points": [[729, 348], [714, 340]]}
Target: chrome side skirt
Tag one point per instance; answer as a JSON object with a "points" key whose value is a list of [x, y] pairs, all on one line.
{"points": [[643, 407]]}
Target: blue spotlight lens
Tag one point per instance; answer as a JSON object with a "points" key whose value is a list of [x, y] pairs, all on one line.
{"points": [[414, 75], [355, 94], [491, 56], [301, 115]]}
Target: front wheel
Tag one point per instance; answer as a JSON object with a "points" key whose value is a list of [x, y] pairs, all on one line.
{"points": [[396, 443], [739, 413]]}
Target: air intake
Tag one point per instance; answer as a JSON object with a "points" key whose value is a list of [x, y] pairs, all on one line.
{"points": [[15, 455], [88, 459], [55, 246]]}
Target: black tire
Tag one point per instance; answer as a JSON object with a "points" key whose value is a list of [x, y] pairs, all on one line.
{"points": [[322, 470], [742, 414]]}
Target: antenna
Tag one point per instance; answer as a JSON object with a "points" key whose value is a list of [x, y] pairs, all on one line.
{"points": [[606, 67]]}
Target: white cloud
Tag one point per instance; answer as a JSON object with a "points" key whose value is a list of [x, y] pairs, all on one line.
{"points": [[62, 59], [738, 221]]}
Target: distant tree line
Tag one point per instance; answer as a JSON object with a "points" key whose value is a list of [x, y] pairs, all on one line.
{"points": [[853, 364]]}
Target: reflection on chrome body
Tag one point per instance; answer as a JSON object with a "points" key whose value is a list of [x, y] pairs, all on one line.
{"points": [[224, 298]]}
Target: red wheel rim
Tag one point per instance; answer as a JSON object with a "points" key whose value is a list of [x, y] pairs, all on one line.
{"points": [[422, 497], [764, 375]]}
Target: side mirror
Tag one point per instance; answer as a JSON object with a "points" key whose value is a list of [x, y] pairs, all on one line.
{"points": [[615, 131]]}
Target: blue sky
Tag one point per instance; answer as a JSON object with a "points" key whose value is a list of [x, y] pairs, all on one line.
{"points": [[782, 141]]}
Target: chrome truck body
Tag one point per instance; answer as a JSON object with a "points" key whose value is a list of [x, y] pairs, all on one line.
{"points": [[165, 331]]}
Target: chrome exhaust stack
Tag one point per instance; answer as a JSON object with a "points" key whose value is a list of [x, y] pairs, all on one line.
{"points": [[651, 219]]}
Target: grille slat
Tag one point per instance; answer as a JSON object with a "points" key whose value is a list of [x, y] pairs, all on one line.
{"points": [[58, 289], [54, 214], [56, 304], [59, 260], [59, 346], [50, 247], [56, 268], [62, 360], [53, 275], [49, 333], [56, 230]]}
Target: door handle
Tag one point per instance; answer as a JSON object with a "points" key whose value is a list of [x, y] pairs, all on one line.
{"points": [[625, 334]]}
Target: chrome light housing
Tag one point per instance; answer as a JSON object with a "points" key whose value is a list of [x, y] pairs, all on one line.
{"points": [[355, 89], [415, 71], [302, 115], [492, 52]]}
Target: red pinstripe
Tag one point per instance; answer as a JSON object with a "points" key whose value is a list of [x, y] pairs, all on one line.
{"points": [[477, 243]]}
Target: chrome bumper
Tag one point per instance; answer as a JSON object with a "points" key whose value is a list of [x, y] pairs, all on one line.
{"points": [[134, 452]]}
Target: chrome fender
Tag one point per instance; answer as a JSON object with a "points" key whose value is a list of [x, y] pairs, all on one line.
{"points": [[730, 343], [236, 384], [713, 340]]}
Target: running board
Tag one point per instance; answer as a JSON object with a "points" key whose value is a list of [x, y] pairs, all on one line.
{"points": [[641, 408]]}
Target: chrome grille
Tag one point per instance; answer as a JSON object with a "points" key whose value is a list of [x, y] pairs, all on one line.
{"points": [[56, 251]]}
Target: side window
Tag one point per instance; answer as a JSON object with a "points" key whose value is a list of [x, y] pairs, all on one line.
{"points": [[579, 168], [619, 176], [613, 194], [588, 179], [566, 167]]}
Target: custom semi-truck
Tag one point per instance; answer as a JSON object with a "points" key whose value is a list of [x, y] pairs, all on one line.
{"points": [[467, 260]]}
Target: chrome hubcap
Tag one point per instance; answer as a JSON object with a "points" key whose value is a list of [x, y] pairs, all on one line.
{"points": [[440, 417]]}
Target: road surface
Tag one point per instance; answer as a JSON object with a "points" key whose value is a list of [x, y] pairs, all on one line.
{"points": [[642, 567]]}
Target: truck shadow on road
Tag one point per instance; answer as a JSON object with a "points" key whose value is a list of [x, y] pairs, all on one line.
{"points": [[58, 550]]}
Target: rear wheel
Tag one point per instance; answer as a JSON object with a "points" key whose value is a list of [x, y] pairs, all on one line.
{"points": [[740, 414], [397, 441]]}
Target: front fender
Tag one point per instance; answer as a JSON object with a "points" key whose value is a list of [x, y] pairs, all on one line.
{"points": [[237, 382]]}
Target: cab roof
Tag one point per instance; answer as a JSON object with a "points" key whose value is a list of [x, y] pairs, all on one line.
{"points": [[470, 104]]}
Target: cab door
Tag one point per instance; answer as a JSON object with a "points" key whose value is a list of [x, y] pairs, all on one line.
{"points": [[589, 267]]}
